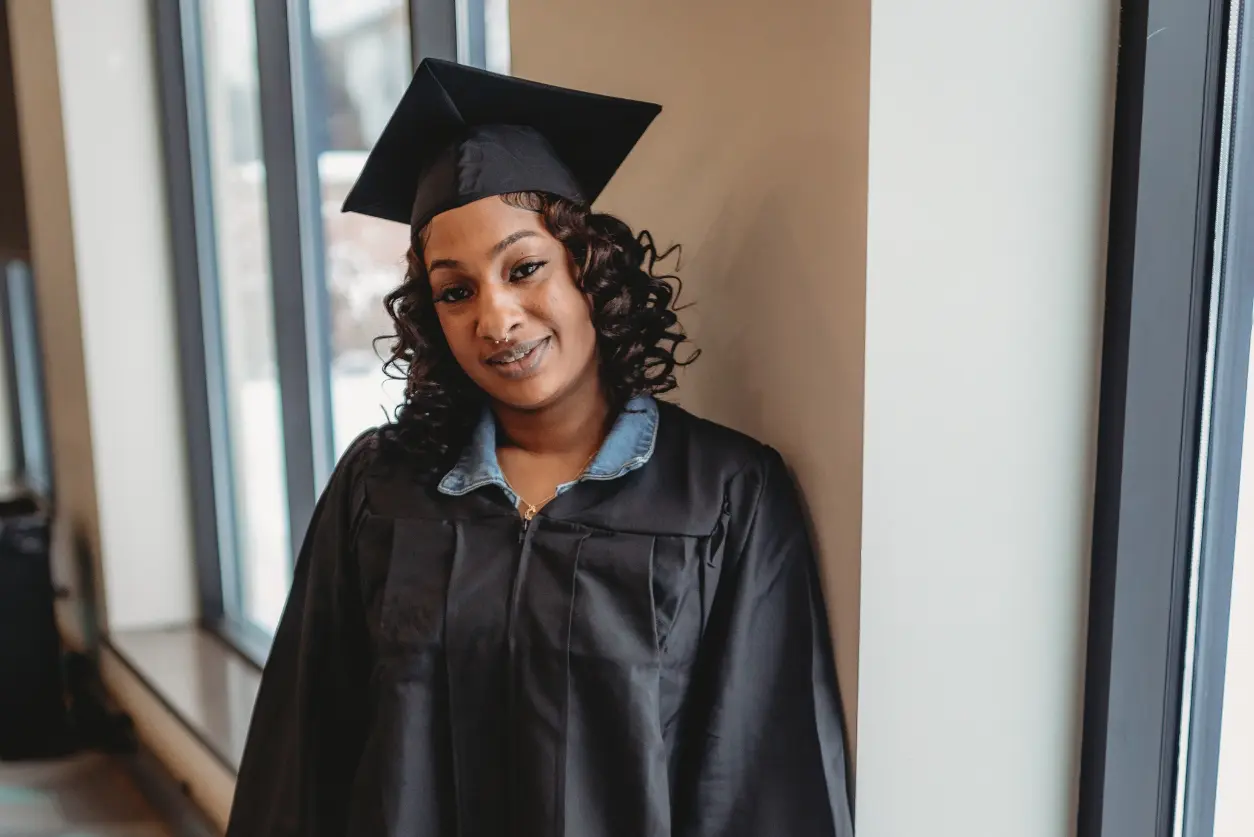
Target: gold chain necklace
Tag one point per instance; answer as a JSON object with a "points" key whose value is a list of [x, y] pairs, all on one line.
{"points": [[532, 509]]}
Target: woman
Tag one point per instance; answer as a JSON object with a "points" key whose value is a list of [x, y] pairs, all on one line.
{"points": [[541, 602]]}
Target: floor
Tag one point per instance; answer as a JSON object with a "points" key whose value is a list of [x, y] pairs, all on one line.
{"points": [[83, 796]]}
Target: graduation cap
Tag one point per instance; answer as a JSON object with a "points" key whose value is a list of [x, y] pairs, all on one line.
{"points": [[461, 134]]}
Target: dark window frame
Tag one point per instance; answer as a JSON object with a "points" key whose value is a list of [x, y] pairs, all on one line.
{"points": [[300, 300], [1228, 403], [1166, 168]]}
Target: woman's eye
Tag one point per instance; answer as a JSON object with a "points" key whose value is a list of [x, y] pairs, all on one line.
{"points": [[524, 270], [454, 294]]}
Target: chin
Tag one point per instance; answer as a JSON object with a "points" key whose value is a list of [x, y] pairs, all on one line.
{"points": [[528, 396]]}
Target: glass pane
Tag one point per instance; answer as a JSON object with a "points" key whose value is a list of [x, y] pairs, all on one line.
{"points": [[10, 445], [360, 70], [483, 34], [1234, 804], [1217, 742], [256, 586], [27, 384], [496, 35]]}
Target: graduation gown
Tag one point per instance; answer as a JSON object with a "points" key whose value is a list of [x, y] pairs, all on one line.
{"points": [[648, 657]]}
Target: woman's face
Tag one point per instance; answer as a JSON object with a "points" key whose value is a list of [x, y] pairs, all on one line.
{"points": [[504, 289]]}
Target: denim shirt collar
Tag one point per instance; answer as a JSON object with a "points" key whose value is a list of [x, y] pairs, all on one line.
{"points": [[628, 446]]}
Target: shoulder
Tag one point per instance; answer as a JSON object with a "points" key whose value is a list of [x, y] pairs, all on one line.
{"points": [[360, 454], [711, 460], [711, 446], [373, 479], [749, 479], [355, 462], [376, 477]]}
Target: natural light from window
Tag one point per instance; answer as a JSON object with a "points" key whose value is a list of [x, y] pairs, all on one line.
{"points": [[256, 495]]}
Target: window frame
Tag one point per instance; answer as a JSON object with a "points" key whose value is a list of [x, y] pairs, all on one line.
{"points": [[1146, 597], [1227, 415], [302, 347], [297, 270]]}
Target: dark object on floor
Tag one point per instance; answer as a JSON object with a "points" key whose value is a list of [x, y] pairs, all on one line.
{"points": [[96, 722], [33, 718]]}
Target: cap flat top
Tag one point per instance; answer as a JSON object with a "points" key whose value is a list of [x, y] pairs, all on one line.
{"points": [[460, 134]]}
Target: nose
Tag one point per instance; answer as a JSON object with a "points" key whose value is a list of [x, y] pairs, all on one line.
{"points": [[500, 313]]}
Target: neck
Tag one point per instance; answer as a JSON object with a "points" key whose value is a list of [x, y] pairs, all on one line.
{"points": [[574, 426]]}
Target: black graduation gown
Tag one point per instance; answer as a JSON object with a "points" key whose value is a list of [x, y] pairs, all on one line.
{"points": [[649, 657]]}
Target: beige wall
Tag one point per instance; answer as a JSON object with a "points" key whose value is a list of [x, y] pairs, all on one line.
{"points": [[757, 166]]}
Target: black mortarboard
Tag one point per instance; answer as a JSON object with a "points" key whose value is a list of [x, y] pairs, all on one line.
{"points": [[460, 134]]}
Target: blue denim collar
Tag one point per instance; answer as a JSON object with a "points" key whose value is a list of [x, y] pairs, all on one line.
{"points": [[628, 446]]}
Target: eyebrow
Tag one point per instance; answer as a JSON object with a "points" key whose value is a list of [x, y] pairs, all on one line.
{"points": [[496, 250], [500, 246]]}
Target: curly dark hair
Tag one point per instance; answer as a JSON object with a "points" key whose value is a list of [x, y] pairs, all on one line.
{"points": [[633, 312]]}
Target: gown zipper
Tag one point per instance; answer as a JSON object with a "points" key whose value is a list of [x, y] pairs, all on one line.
{"points": [[511, 786]]}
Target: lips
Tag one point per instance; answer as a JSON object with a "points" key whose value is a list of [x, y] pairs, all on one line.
{"points": [[519, 360]]}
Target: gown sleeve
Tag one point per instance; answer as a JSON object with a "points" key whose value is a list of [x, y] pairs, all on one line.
{"points": [[764, 727], [307, 727]]}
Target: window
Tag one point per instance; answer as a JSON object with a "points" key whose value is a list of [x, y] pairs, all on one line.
{"points": [[22, 374], [1215, 759], [360, 69], [483, 34], [252, 436], [1168, 740], [270, 110]]}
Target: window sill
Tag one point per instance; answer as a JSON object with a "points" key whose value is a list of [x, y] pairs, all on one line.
{"points": [[204, 683]]}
